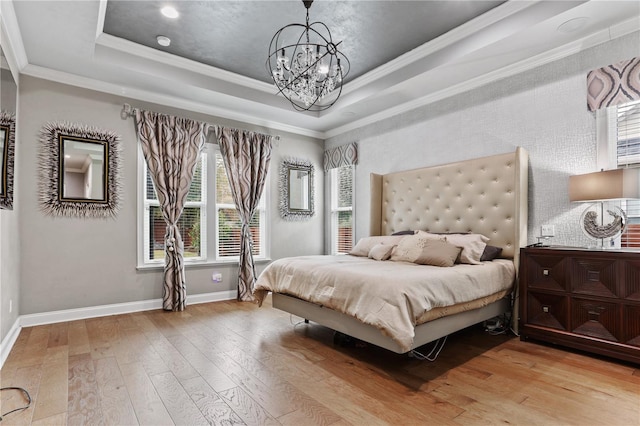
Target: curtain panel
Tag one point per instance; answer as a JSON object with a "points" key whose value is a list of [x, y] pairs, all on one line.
{"points": [[171, 147], [343, 155], [614, 84], [246, 158]]}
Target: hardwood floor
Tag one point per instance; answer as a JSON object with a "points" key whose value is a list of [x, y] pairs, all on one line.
{"points": [[232, 363]]}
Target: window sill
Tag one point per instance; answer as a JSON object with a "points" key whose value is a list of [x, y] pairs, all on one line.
{"points": [[198, 264]]}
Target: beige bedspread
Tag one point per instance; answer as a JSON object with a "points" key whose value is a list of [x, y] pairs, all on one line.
{"points": [[391, 296]]}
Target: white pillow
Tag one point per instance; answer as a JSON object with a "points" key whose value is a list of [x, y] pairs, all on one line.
{"points": [[365, 244], [381, 251], [472, 246]]}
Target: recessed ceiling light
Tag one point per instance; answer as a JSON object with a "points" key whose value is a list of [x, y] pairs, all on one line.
{"points": [[170, 12], [163, 40], [573, 25]]}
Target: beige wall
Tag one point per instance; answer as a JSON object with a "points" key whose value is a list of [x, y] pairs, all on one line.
{"points": [[73, 263]]}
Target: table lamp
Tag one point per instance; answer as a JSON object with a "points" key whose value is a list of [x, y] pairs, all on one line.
{"points": [[600, 189]]}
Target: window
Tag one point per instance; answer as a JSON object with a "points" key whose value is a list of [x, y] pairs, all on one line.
{"points": [[628, 154], [341, 209], [192, 223], [209, 192], [623, 139], [228, 225]]}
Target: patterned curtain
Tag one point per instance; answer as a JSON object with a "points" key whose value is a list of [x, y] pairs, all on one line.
{"points": [[344, 155], [171, 147], [246, 159], [614, 84]]}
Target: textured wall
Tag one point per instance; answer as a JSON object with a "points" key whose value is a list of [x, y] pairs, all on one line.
{"points": [[544, 110], [73, 263]]}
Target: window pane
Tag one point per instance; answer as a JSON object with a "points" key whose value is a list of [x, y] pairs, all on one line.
{"points": [[345, 232], [195, 190], [150, 189], [345, 186], [229, 228], [189, 226], [223, 190], [628, 130]]}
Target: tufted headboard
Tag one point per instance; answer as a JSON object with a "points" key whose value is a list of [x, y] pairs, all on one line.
{"points": [[485, 195]]}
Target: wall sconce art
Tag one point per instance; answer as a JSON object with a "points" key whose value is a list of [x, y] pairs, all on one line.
{"points": [[7, 147], [79, 168]]}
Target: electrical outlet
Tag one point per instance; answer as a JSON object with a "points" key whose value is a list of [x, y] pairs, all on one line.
{"points": [[547, 231], [10, 305], [216, 277]]}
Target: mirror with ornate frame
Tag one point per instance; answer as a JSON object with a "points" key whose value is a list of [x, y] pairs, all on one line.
{"points": [[8, 97], [79, 168], [296, 189], [83, 176]]}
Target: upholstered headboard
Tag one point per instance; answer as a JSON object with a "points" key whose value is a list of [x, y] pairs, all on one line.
{"points": [[485, 195]]}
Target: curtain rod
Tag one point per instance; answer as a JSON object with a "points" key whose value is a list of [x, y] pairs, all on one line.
{"points": [[128, 111]]}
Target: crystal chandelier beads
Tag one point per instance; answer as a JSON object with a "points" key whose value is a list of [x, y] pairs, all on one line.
{"points": [[311, 68]]}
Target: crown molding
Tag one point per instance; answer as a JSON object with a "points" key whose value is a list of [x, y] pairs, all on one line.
{"points": [[172, 101], [603, 36], [170, 60], [11, 39], [455, 35]]}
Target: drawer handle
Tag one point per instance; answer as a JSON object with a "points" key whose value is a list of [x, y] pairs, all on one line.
{"points": [[545, 309], [545, 272]]}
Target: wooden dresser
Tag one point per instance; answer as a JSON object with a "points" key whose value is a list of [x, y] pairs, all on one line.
{"points": [[580, 298]]}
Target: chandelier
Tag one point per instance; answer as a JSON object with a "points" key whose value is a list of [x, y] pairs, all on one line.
{"points": [[309, 70]]}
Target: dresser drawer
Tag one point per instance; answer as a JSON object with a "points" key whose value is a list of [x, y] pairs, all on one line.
{"points": [[546, 272]]}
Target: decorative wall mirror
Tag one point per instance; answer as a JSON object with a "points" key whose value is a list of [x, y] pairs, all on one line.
{"points": [[7, 147], [79, 168], [8, 101], [296, 189]]}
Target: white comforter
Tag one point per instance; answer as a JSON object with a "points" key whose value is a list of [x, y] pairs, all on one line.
{"points": [[391, 296]]}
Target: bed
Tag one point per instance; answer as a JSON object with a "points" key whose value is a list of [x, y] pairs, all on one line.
{"points": [[486, 196]]}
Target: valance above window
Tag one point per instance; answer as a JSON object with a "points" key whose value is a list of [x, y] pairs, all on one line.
{"points": [[614, 84], [344, 155]]}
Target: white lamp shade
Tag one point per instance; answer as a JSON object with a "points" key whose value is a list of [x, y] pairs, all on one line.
{"points": [[605, 185]]}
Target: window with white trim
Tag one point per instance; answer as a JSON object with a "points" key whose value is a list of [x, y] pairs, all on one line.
{"points": [[209, 192], [341, 180], [192, 223], [623, 140], [228, 224]]}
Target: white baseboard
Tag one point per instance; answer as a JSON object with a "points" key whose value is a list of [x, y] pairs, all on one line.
{"points": [[9, 340], [43, 318]]}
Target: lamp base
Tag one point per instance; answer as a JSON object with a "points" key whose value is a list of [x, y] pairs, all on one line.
{"points": [[603, 222]]}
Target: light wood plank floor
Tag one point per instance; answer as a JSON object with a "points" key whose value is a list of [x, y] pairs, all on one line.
{"points": [[234, 363]]}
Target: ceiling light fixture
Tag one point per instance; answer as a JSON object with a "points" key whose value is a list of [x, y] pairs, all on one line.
{"points": [[163, 40], [170, 12], [573, 25], [316, 69]]}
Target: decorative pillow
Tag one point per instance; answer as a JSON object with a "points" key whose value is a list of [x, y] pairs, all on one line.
{"points": [[365, 244], [472, 246], [408, 232], [426, 251], [381, 251], [490, 253]]}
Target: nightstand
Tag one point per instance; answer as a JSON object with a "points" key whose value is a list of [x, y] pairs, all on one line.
{"points": [[583, 299]]}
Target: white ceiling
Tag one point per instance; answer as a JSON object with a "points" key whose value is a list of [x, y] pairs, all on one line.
{"points": [[64, 41]]}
